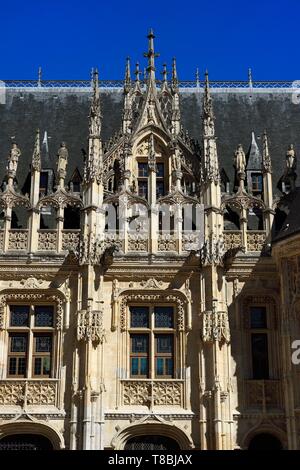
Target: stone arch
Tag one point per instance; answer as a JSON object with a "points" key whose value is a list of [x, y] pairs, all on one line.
{"points": [[264, 429], [152, 429], [33, 427]]}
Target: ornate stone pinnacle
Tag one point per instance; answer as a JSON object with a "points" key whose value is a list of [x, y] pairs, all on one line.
{"points": [[151, 54], [36, 156], [267, 164], [127, 76], [174, 74], [164, 73]]}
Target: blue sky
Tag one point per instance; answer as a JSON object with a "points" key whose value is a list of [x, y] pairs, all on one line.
{"points": [[67, 38]]}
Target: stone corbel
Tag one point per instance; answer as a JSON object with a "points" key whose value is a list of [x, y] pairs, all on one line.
{"points": [[90, 326], [215, 325]]}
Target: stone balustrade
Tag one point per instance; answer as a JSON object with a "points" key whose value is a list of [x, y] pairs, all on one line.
{"points": [[263, 394], [256, 240], [152, 392], [28, 392]]}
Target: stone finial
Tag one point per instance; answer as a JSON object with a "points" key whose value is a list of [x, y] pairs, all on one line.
{"points": [[164, 73], [12, 162], [197, 78], [36, 156], [250, 82], [151, 55]]}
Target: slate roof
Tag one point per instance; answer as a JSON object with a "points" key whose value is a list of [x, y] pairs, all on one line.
{"points": [[291, 225], [63, 113]]}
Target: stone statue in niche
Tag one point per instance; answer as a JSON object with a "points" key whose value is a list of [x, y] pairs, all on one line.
{"points": [[62, 159], [290, 158], [240, 159], [12, 161]]}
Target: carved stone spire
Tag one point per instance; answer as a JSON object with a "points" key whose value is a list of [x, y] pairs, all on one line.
{"points": [[211, 164], [164, 87], [12, 162], [36, 156], [151, 56], [267, 164], [95, 110], [208, 116], [137, 73], [93, 163], [174, 76], [127, 84], [127, 113]]}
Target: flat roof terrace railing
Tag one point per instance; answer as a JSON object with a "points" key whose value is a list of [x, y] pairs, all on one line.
{"points": [[120, 83]]}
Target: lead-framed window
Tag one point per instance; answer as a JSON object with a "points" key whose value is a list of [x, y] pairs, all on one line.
{"points": [[30, 331], [260, 344], [152, 335]]}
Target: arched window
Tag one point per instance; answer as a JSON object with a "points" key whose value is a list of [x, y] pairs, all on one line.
{"points": [[255, 219], [25, 442], [48, 218], [19, 217], [231, 219], [151, 443], [265, 441], [71, 218]]}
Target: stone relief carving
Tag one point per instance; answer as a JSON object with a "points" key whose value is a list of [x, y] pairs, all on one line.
{"points": [[215, 325], [90, 326]]}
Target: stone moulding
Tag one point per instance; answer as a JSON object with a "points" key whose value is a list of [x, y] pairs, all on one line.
{"points": [[42, 295]]}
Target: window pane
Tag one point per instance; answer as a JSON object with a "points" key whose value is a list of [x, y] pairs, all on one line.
{"points": [[143, 169], [160, 170], [46, 365], [169, 366], [43, 343], [143, 189], [134, 366], [164, 317], [12, 366], [43, 315], [260, 361], [160, 188], [139, 317], [139, 343], [159, 366], [19, 315], [258, 317], [18, 343], [22, 366], [144, 366], [37, 366], [164, 343]]}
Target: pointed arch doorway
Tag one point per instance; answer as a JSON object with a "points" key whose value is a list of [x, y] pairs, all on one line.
{"points": [[151, 443]]}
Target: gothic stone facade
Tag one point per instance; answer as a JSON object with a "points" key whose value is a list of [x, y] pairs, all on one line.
{"points": [[110, 334]]}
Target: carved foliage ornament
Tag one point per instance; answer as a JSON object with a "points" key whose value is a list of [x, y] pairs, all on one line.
{"points": [[215, 325], [90, 326]]}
